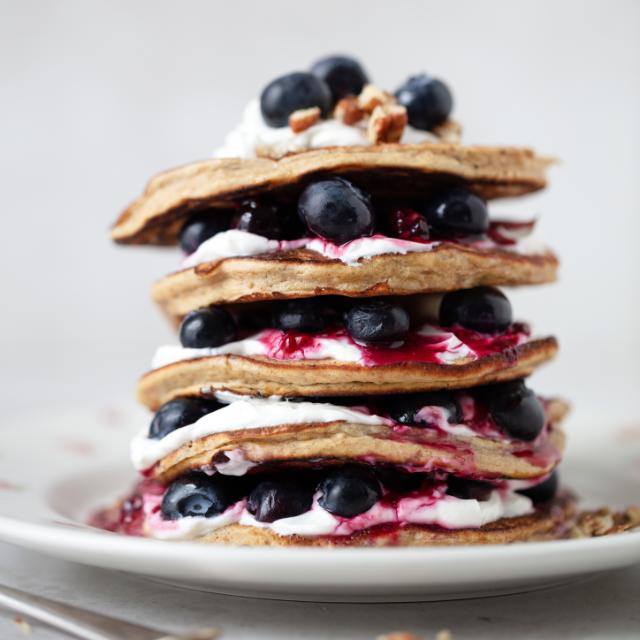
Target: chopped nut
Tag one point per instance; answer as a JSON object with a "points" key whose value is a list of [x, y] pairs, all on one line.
{"points": [[303, 119], [348, 111], [603, 522], [387, 123], [449, 131], [371, 97]]}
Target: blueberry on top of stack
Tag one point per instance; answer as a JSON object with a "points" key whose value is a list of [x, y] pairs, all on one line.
{"points": [[348, 370]]}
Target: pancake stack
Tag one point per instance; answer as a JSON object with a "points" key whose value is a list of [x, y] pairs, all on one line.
{"points": [[348, 370]]}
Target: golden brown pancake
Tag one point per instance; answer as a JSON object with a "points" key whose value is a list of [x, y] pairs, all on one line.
{"points": [[339, 442], [406, 170], [259, 375], [302, 273], [549, 522]]}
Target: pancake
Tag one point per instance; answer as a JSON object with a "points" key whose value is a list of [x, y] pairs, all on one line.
{"points": [[268, 377], [157, 216], [302, 273], [339, 442], [547, 523]]}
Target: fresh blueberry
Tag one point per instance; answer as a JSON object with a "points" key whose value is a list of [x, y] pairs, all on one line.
{"points": [[179, 413], [196, 494], [208, 327], [400, 481], [306, 315], [344, 76], [544, 491], [428, 101], [408, 409], [336, 210], [515, 408], [455, 212], [483, 309], [272, 500], [201, 227], [287, 94], [377, 322], [259, 218], [467, 489], [349, 491]]}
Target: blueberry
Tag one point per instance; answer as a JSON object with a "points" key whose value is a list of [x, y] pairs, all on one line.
{"points": [[406, 409], [467, 489], [399, 480], [377, 322], [544, 491], [349, 490], [516, 409], [179, 413], [201, 227], [306, 315], [483, 309], [196, 494], [287, 94], [336, 210], [259, 218], [208, 327], [428, 101], [344, 76], [456, 211], [272, 500]]}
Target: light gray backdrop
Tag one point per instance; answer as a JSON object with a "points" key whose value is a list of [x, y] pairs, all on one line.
{"points": [[97, 96]]}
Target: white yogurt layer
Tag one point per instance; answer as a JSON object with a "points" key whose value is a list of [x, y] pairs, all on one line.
{"points": [[235, 243], [241, 413], [437, 509], [252, 136]]}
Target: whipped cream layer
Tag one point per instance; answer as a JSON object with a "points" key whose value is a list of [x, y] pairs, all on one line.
{"points": [[253, 137], [435, 508], [238, 244], [428, 343], [247, 412], [241, 413]]}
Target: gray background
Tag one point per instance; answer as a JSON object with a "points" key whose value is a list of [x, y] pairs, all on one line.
{"points": [[97, 96]]}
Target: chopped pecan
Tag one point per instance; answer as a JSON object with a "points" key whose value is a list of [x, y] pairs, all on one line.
{"points": [[348, 111], [387, 123], [303, 119], [371, 97]]}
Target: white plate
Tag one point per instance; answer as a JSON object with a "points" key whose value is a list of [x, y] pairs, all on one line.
{"points": [[56, 467]]}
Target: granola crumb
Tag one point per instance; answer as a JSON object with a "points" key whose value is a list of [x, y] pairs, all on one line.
{"points": [[399, 635], [303, 119], [23, 626], [604, 522], [387, 123], [348, 111], [371, 97]]}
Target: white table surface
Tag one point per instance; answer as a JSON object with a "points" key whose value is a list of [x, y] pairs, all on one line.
{"points": [[602, 606]]}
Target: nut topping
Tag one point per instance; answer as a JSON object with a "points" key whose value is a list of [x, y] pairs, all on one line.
{"points": [[372, 97], [348, 111], [303, 119], [387, 123]]}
